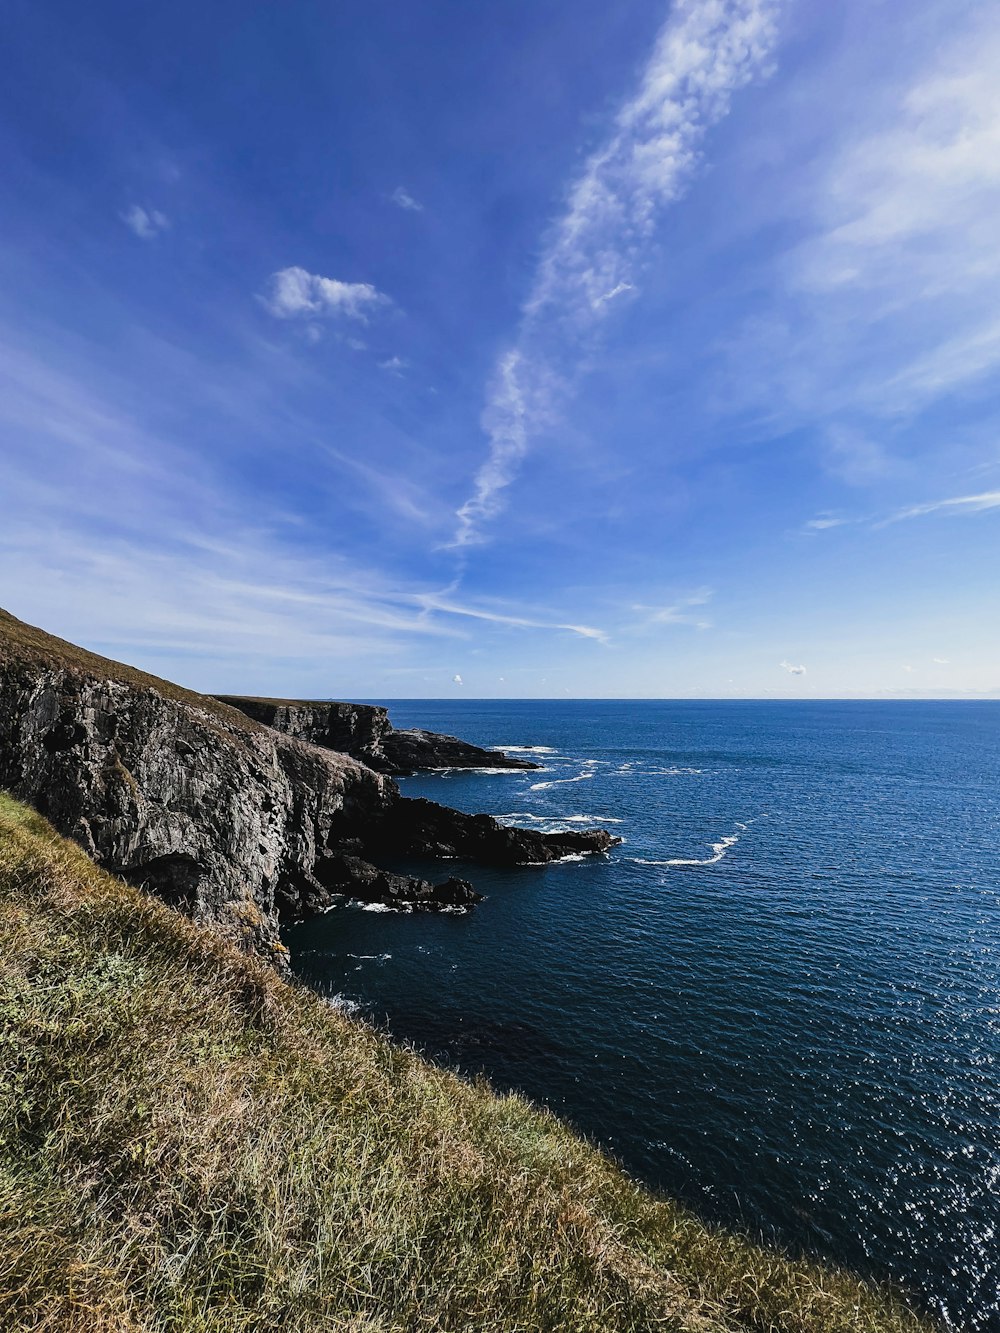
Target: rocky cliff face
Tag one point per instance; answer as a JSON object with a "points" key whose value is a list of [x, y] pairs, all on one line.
{"points": [[227, 820], [231, 821], [364, 731], [355, 729]]}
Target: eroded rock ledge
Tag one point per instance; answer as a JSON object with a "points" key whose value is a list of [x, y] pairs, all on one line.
{"points": [[364, 731], [227, 819]]}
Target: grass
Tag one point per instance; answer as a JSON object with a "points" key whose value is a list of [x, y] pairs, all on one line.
{"points": [[26, 645], [188, 1142]]}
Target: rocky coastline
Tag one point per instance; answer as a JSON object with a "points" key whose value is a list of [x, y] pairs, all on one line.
{"points": [[239, 822], [365, 732]]}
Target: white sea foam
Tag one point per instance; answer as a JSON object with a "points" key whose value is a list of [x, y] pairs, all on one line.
{"points": [[555, 822], [525, 749], [630, 770], [719, 850], [588, 771], [371, 957], [379, 907], [560, 860], [465, 768], [342, 1004]]}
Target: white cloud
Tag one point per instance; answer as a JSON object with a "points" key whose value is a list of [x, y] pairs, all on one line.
{"points": [[676, 613], [890, 301], [959, 504], [402, 198], [824, 521], [395, 365], [941, 661], [615, 291], [435, 602], [294, 292], [147, 223], [793, 670], [457, 680], [706, 51], [927, 173]]}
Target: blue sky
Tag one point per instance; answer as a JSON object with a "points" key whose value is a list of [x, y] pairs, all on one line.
{"points": [[436, 349]]}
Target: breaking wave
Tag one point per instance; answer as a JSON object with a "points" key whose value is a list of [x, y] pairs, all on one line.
{"points": [[589, 770], [719, 850]]}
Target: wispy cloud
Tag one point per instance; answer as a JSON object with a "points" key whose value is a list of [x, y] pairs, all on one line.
{"points": [[147, 223], [402, 198], [706, 52], [295, 293], [792, 670], [116, 536], [889, 302], [823, 522], [395, 365], [436, 602], [681, 612], [959, 504]]}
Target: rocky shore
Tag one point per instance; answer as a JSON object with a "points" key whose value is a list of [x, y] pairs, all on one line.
{"points": [[364, 731], [238, 822]]}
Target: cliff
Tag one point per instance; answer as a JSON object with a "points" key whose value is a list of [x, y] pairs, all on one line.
{"points": [[229, 820], [364, 731], [187, 1142]]}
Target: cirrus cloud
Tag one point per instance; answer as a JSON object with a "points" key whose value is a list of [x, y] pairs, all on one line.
{"points": [[705, 53]]}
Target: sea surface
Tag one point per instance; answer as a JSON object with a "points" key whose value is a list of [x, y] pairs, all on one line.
{"points": [[778, 1000]]}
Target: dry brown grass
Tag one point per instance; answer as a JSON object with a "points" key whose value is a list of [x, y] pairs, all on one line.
{"points": [[27, 645], [187, 1142]]}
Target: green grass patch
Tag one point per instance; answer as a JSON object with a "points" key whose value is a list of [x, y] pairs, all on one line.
{"points": [[189, 1142]]}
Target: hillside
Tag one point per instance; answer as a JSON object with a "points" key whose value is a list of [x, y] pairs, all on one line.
{"points": [[190, 1143]]}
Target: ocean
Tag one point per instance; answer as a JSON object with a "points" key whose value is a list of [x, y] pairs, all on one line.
{"points": [[778, 1000]]}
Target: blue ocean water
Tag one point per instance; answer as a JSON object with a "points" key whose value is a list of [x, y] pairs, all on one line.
{"points": [[778, 1000]]}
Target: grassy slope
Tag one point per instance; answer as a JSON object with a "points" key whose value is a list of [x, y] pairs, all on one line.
{"points": [[189, 1143], [23, 644]]}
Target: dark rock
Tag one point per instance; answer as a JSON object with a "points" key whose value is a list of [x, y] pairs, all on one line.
{"points": [[350, 875], [364, 731], [417, 827], [354, 729], [412, 751]]}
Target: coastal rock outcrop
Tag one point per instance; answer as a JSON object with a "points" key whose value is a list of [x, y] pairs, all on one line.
{"points": [[230, 821], [236, 823], [364, 731], [418, 827]]}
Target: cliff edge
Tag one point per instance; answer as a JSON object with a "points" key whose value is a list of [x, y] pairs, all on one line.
{"points": [[232, 821], [364, 731]]}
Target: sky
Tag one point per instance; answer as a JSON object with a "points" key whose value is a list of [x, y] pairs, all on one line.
{"points": [[427, 349]]}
